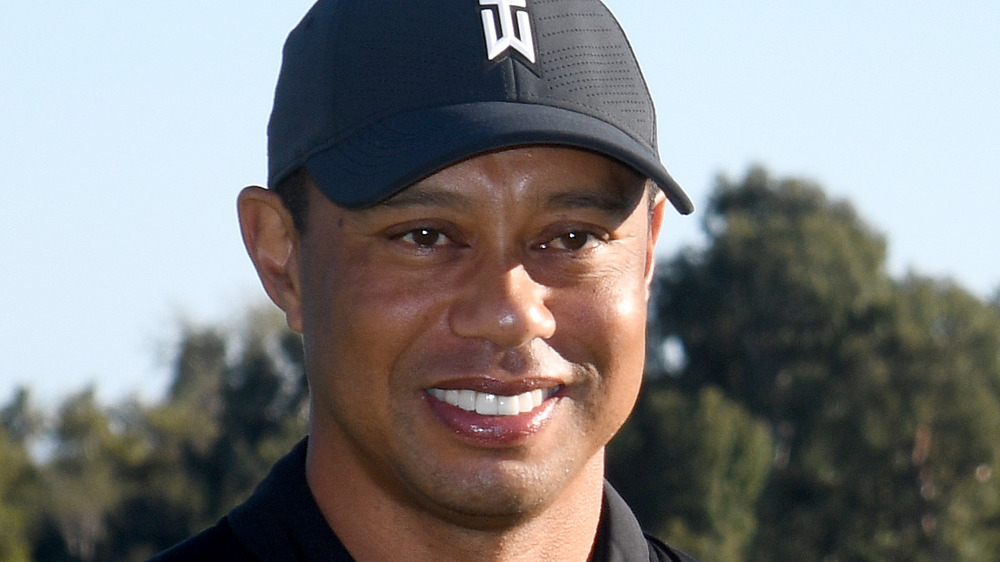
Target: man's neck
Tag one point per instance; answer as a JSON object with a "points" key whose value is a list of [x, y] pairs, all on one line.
{"points": [[374, 524]]}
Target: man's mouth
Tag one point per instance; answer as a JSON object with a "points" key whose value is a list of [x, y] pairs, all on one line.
{"points": [[487, 404]]}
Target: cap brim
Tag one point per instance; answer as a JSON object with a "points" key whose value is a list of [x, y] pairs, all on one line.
{"points": [[392, 154]]}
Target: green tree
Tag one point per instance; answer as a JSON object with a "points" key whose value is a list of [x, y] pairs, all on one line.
{"points": [[19, 423], [264, 407], [948, 343], [80, 480], [790, 312], [692, 469], [125, 481], [237, 402]]}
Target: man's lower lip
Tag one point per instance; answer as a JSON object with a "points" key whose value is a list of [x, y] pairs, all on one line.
{"points": [[495, 431]]}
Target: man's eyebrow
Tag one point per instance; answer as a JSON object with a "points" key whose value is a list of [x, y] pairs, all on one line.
{"points": [[610, 201], [616, 202], [425, 196]]}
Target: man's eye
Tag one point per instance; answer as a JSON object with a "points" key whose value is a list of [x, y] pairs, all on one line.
{"points": [[425, 237], [571, 241]]}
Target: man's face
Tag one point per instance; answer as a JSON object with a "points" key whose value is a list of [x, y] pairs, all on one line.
{"points": [[474, 342]]}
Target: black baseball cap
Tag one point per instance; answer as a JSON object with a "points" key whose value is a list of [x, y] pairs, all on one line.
{"points": [[374, 95]]}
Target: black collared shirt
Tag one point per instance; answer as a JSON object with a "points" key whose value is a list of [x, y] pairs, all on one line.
{"points": [[281, 522]]}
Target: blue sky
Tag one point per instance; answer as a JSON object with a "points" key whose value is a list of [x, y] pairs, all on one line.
{"points": [[128, 128]]}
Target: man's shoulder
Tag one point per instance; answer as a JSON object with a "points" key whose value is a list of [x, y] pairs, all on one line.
{"points": [[279, 521], [217, 543]]}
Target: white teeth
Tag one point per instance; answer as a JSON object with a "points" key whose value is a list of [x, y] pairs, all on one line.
{"points": [[466, 400], [537, 397], [508, 405], [486, 404]]}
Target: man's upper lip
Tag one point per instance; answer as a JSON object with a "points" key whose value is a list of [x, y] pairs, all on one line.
{"points": [[510, 387]]}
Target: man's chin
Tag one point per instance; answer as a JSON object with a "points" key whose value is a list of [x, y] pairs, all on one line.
{"points": [[504, 495], [491, 506]]}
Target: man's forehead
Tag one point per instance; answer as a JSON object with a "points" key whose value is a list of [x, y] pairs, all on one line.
{"points": [[546, 176], [605, 197]]}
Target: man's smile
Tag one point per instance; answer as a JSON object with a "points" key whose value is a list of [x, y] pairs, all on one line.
{"points": [[495, 417], [487, 404]]}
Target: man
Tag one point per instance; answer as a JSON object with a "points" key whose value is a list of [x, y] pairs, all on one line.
{"points": [[465, 197]]}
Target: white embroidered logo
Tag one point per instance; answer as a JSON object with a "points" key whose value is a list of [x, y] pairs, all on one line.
{"points": [[513, 36]]}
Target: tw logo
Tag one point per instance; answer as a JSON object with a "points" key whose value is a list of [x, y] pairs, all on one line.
{"points": [[517, 37]]}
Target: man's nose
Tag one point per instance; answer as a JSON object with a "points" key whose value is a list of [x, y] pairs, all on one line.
{"points": [[505, 306]]}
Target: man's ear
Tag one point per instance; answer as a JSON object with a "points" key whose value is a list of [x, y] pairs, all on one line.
{"points": [[271, 239], [659, 203]]}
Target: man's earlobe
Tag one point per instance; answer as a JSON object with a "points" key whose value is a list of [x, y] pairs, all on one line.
{"points": [[272, 242]]}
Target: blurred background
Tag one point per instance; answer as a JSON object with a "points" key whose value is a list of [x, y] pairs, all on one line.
{"points": [[823, 375]]}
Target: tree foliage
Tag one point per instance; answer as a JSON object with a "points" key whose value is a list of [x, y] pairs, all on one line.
{"points": [[123, 482], [880, 396], [692, 469], [19, 423]]}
